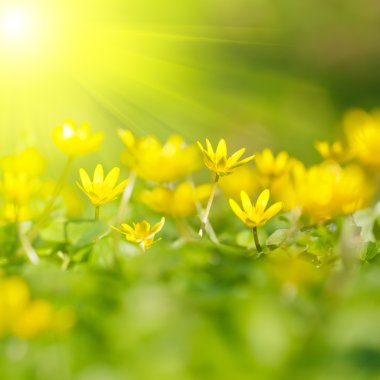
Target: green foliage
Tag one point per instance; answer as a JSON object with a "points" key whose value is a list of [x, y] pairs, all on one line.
{"points": [[201, 311]]}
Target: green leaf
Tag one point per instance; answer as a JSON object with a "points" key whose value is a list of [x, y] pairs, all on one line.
{"points": [[102, 254], [366, 220], [9, 239], [244, 238], [80, 254], [81, 234], [278, 237], [54, 232], [371, 251], [376, 229]]}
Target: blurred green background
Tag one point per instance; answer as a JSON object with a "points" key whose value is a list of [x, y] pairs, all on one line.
{"points": [[268, 73]]}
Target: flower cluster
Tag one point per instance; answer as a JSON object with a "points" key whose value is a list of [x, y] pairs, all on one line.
{"points": [[156, 162], [341, 184], [179, 201]]}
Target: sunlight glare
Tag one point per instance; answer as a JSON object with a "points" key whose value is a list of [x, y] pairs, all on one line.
{"points": [[15, 24]]}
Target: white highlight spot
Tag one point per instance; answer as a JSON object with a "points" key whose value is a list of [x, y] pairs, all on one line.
{"points": [[67, 131], [15, 24]]}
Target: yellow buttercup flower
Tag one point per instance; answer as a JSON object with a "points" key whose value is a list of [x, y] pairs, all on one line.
{"points": [[18, 188], [11, 212], [141, 233], [354, 190], [333, 152], [222, 165], [101, 189], [34, 320], [29, 161], [326, 190], [24, 317], [218, 161], [20, 184], [157, 162], [272, 166], [255, 215], [76, 141], [177, 202], [363, 135]]}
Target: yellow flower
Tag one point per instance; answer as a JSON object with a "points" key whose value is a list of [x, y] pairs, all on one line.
{"points": [[14, 296], [101, 190], [18, 188], [180, 201], [157, 162], [333, 152], [218, 162], [28, 161], [363, 135], [141, 233], [35, 319], [255, 215], [272, 166], [26, 318], [16, 213], [326, 190], [75, 141], [20, 184], [354, 190]]}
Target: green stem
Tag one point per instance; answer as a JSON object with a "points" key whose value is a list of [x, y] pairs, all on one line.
{"points": [[125, 198], [17, 212], [256, 239], [206, 214], [183, 228], [50, 205], [122, 211], [97, 212], [27, 246]]}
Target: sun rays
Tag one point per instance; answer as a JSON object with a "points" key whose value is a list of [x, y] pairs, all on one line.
{"points": [[132, 71]]}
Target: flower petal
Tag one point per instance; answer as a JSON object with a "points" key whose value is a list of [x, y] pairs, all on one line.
{"points": [[246, 202], [262, 201], [221, 150], [98, 175], [142, 229], [127, 228], [111, 178], [244, 161], [200, 147], [86, 182], [273, 210], [126, 137], [281, 161], [120, 188], [158, 226], [235, 157], [237, 210], [118, 230], [210, 150]]}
